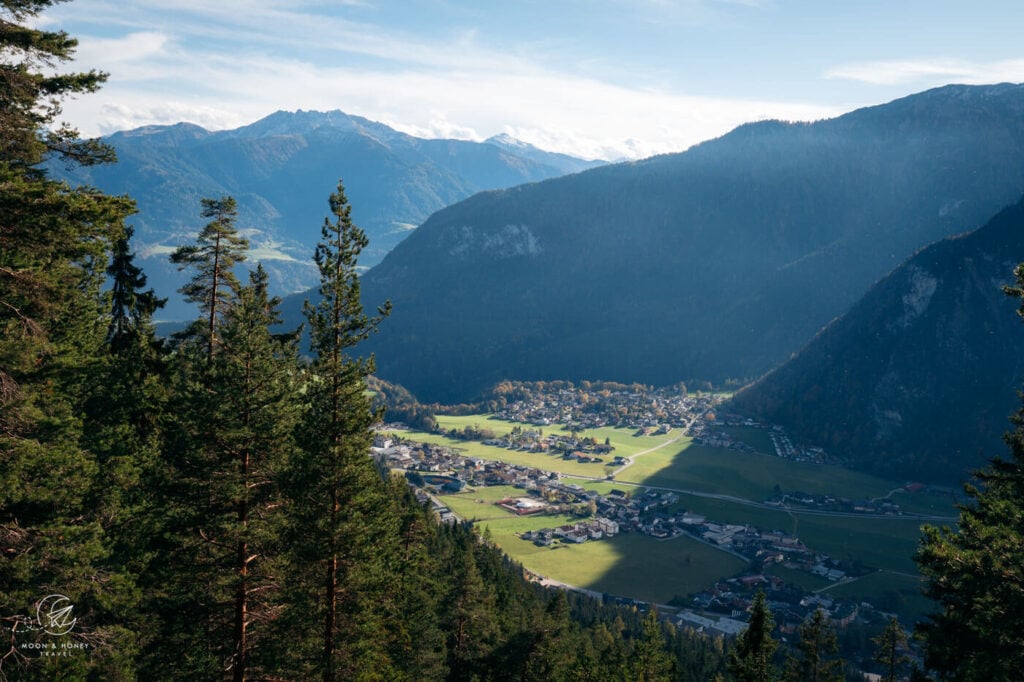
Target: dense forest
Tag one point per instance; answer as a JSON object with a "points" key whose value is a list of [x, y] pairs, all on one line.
{"points": [[204, 507]]}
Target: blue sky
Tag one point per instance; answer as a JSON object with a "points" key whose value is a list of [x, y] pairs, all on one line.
{"points": [[598, 78]]}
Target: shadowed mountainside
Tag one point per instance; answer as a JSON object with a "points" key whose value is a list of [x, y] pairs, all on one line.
{"points": [[281, 170], [715, 263], [919, 378]]}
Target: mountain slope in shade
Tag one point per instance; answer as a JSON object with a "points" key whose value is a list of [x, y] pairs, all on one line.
{"points": [[919, 378], [715, 263], [281, 170]]}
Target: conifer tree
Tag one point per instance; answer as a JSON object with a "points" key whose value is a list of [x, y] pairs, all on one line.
{"points": [[816, 653], [53, 245], [217, 249], [750, 659], [975, 572], [650, 661], [237, 417], [345, 528], [472, 630], [891, 645], [132, 308]]}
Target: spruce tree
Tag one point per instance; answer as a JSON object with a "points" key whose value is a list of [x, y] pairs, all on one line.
{"points": [[650, 661], [235, 431], [750, 659], [890, 652], [131, 308], [815, 659], [472, 631]]}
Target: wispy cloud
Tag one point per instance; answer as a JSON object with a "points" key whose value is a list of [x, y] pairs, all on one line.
{"points": [[904, 72], [224, 64]]}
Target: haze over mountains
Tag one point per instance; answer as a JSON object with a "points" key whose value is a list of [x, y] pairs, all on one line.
{"points": [[919, 377], [281, 170], [716, 263]]}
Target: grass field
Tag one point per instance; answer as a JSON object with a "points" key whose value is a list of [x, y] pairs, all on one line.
{"points": [[889, 592], [802, 579], [755, 438], [642, 567], [626, 444], [531, 459], [752, 476], [628, 565]]}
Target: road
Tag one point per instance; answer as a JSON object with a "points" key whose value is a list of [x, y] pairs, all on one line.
{"points": [[762, 505]]}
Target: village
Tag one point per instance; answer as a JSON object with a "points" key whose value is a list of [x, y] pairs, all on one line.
{"points": [[437, 470], [552, 422]]}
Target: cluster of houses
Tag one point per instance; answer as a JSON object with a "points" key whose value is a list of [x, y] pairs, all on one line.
{"points": [[832, 503], [724, 607], [648, 512], [593, 529], [720, 610], [633, 407], [535, 440]]}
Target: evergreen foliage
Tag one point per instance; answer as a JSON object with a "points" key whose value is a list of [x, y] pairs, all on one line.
{"points": [[750, 659], [53, 246], [815, 659], [890, 652], [218, 247], [975, 572]]}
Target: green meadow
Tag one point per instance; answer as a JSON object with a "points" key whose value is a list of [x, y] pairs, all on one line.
{"points": [[627, 565], [625, 443], [642, 567], [753, 476]]}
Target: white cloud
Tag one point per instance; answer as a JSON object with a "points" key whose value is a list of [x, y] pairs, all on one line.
{"points": [[108, 52], [225, 64], [905, 72], [555, 111]]}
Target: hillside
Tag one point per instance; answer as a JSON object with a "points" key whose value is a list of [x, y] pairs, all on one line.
{"points": [[919, 378], [281, 170], [715, 263]]}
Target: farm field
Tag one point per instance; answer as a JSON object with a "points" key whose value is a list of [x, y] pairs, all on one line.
{"points": [[536, 460], [889, 591], [626, 444], [687, 466], [627, 565], [755, 438]]}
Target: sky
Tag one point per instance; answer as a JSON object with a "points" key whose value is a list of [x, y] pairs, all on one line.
{"points": [[608, 79]]}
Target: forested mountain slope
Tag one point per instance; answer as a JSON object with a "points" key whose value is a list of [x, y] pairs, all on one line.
{"points": [[919, 378], [280, 168], [715, 263]]}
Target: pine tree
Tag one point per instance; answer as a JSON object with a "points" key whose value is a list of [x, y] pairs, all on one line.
{"points": [[891, 644], [237, 419], [815, 660], [343, 518], [976, 571], [53, 245], [650, 661], [750, 659], [217, 249], [471, 626]]}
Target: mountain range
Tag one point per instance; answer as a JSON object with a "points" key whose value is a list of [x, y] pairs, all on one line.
{"points": [[281, 170], [716, 263], [919, 377]]}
